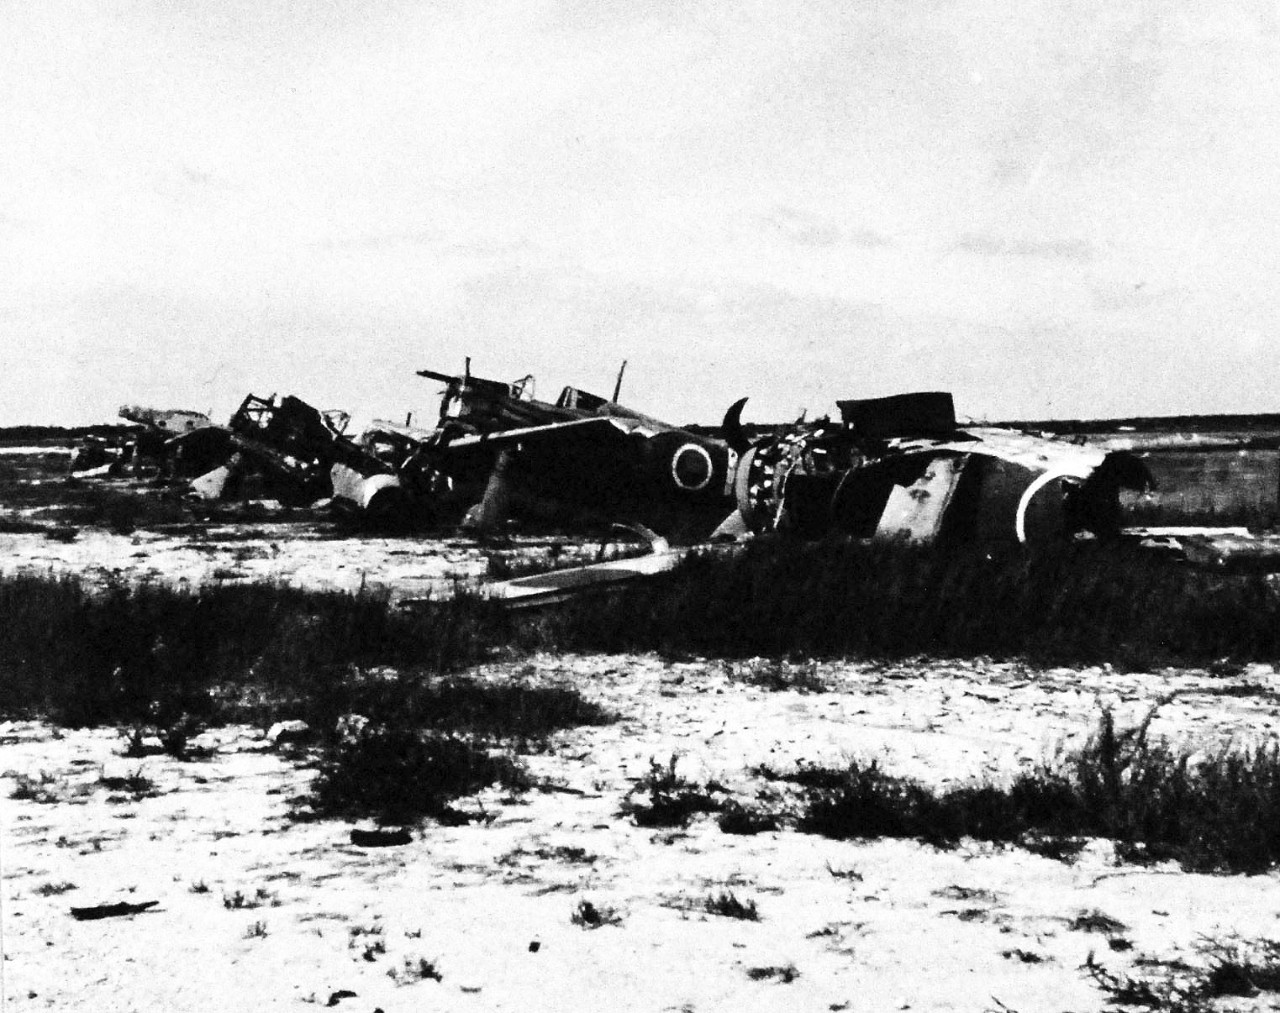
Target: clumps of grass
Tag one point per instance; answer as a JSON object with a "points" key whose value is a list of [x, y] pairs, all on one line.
{"points": [[53, 889], [258, 930], [1053, 846], [570, 854], [663, 798], [1239, 967], [778, 676], [20, 526], [432, 740], [134, 784], [399, 775], [1226, 668], [1229, 967], [588, 915], [415, 969], [516, 710], [43, 788], [726, 905], [373, 950], [736, 818], [122, 512], [1217, 813], [1054, 604], [172, 739], [970, 893], [199, 886], [785, 974], [1096, 921], [240, 901], [369, 940], [156, 656]]}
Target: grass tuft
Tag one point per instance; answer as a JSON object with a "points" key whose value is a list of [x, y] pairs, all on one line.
{"points": [[1228, 968], [726, 905], [593, 916], [399, 775], [1051, 604], [53, 889], [671, 800], [1210, 814], [785, 974], [736, 818]]}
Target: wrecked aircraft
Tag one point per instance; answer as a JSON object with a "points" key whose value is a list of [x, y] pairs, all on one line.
{"points": [[902, 467], [895, 467], [184, 443], [146, 441], [583, 456], [306, 456]]}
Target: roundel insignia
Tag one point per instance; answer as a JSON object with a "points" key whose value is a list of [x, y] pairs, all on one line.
{"points": [[691, 467]]}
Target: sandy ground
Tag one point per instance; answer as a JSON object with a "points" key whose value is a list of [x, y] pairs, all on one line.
{"points": [[488, 907], [295, 554], [256, 910]]}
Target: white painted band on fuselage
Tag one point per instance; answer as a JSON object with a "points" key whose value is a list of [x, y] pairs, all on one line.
{"points": [[1020, 519]]}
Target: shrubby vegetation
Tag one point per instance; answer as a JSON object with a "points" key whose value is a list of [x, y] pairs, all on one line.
{"points": [[150, 657], [1218, 813], [1075, 604]]}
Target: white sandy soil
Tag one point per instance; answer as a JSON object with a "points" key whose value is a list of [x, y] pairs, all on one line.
{"points": [[883, 925]]}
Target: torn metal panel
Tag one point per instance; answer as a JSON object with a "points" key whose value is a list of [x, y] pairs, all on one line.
{"points": [[168, 421], [379, 494], [899, 414], [1232, 552], [559, 585], [917, 512], [213, 484]]}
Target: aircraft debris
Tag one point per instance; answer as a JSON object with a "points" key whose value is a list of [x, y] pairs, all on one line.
{"points": [[902, 467], [581, 457], [892, 468], [307, 450]]}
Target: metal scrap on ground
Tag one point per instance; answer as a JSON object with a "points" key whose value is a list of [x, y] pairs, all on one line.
{"points": [[894, 468]]}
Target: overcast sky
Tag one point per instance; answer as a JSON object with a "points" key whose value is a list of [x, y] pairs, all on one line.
{"points": [[1051, 208]]}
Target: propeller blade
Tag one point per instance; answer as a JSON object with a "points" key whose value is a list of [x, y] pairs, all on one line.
{"points": [[731, 427]]}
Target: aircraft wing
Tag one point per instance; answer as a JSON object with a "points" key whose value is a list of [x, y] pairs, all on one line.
{"points": [[587, 441], [596, 430], [1031, 452], [616, 465]]}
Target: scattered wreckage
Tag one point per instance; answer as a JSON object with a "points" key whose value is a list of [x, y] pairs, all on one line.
{"points": [[892, 468], [896, 467], [307, 457], [581, 458], [156, 432], [901, 467]]}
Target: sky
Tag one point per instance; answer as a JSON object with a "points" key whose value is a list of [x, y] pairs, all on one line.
{"points": [[1058, 208]]}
